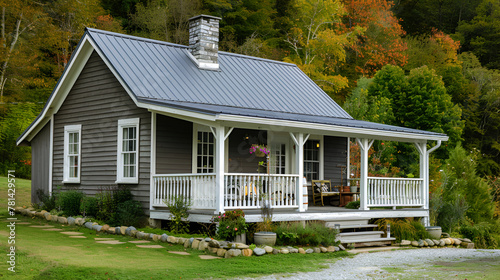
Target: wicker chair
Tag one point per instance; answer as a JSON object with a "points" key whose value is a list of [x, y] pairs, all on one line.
{"points": [[322, 188]]}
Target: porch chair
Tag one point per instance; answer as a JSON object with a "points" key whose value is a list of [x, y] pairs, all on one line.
{"points": [[322, 188]]}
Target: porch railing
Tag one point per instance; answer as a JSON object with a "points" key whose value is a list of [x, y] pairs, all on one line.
{"points": [[395, 192], [200, 188], [247, 191]]}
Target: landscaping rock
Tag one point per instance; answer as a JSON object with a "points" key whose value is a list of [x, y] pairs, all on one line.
{"points": [[338, 248], [190, 240], [451, 240], [54, 218], [48, 217], [323, 249], [275, 251], [187, 244], [46, 214], [429, 242], [214, 243], [118, 230], [240, 246], [414, 243], [456, 241], [62, 220], [259, 251], [436, 242], [268, 249], [293, 250], [470, 245], [123, 230], [465, 240], [203, 245], [442, 243], [97, 227], [221, 252], [181, 240], [172, 239], [133, 233], [210, 249], [445, 235], [164, 237], [309, 251], [88, 225], [247, 252], [79, 221], [302, 251], [105, 227], [283, 251], [405, 243], [128, 231], [425, 243], [342, 248], [42, 213], [232, 253], [447, 241], [317, 250], [207, 239], [71, 221], [195, 244], [140, 235]]}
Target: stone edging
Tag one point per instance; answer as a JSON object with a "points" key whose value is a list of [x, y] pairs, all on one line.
{"points": [[434, 243], [220, 248]]}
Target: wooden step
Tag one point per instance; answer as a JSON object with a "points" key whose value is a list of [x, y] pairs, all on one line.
{"points": [[346, 222], [382, 241], [358, 226], [352, 237]]}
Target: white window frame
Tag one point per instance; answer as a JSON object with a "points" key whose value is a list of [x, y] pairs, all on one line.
{"points": [[321, 159], [200, 128], [67, 130], [126, 123]]}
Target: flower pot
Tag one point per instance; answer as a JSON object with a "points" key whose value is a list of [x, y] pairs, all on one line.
{"points": [[354, 188], [435, 232], [264, 238], [346, 189], [241, 238]]}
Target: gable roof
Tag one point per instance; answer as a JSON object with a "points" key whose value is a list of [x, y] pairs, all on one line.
{"points": [[164, 75]]}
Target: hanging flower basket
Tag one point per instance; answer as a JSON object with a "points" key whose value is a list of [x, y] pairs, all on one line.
{"points": [[259, 150]]}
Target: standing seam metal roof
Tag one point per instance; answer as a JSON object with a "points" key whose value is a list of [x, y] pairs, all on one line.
{"points": [[164, 71]]}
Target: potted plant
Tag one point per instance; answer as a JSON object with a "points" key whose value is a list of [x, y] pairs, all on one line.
{"points": [[232, 226]]}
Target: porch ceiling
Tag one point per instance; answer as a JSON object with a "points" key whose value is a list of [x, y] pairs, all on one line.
{"points": [[207, 114]]}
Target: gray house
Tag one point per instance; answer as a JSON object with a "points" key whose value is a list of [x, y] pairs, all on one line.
{"points": [[171, 120]]}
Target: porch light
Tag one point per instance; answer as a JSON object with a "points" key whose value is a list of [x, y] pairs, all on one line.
{"points": [[317, 145], [388, 230]]}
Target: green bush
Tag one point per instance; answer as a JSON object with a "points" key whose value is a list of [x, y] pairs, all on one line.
{"points": [[128, 213], [231, 223], [178, 207], [122, 194], [47, 202], [106, 206], [314, 233], [404, 229], [353, 204], [89, 206], [484, 235], [69, 201]]}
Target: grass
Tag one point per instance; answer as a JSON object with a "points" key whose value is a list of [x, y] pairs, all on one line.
{"points": [[51, 255], [22, 194]]}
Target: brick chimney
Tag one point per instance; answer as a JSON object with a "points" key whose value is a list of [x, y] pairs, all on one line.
{"points": [[204, 41]]}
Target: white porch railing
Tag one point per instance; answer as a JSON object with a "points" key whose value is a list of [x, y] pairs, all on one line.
{"points": [[245, 191], [200, 188], [395, 192]]}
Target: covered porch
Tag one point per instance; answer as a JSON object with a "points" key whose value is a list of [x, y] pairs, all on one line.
{"points": [[213, 187]]}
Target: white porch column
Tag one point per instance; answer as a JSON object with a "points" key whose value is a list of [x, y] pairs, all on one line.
{"points": [[152, 160], [219, 168], [364, 145], [299, 141], [424, 174]]}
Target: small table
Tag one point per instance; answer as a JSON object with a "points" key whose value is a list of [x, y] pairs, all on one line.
{"points": [[342, 202]]}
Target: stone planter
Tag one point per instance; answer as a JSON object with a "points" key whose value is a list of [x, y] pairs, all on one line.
{"points": [[354, 188], [435, 232], [264, 238], [241, 238]]}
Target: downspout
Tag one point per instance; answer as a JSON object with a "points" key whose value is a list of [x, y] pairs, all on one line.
{"points": [[427, 221]]}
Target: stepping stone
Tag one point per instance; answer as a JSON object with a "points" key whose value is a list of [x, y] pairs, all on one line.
{"points": [[77, 236], [113, 242], [208, 257], [150, 246], [45, 226], [104, 239], [72, 233], [52, 229], [140, 241], [179, 253], [23, 223]]}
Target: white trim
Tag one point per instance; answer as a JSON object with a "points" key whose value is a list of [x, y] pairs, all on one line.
{"points": [[152, 160], [51, 152], [123, 123], [348, 165], [321, 139], [67, 130], [194, 157]]}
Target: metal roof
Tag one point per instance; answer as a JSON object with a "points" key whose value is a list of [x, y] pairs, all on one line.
{"points": [[165, 72]]}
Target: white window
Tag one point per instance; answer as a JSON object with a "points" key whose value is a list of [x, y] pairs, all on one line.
{"points": [[278, 159], [128, 151], [72, 153], [312, 160], [205, 155]]}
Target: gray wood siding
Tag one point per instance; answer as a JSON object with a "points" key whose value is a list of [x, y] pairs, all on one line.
{"points": [[40, 158], [240, 159], [97, 101], [174, 145], [335, 154]]}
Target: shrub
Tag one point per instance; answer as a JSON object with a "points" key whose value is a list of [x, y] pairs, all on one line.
{"points": [[179, 206], [404, 229], [231, 223], [69, 201], [47, 202], [314, 233], [353, 204], [484, 235], [452, 214], [122, 194], [89, 206], [128, 213], [106, 206]]}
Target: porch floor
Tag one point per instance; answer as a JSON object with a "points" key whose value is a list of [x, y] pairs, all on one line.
{"points": [[324, 213]]}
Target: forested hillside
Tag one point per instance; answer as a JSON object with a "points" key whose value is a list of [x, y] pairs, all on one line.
{"points": [[425, 64]]}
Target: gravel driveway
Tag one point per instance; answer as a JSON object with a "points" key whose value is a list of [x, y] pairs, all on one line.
{"points": [[443, 263]]}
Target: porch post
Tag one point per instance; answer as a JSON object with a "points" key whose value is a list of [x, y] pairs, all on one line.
{"points": [[364, 145], [424, 170], [299, 160], [219, 167], [152, 161]]}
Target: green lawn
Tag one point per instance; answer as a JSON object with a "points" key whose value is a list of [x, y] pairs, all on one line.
{"points": [[51, 255], [22, 194]]}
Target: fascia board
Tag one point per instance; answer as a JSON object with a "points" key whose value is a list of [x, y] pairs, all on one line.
{"points": [[339, 130]]}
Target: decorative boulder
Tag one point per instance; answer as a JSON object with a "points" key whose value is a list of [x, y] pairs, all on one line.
{"points": [[97, 227], [221, 252], [293, 250], [414, 243], [429, 242], [88, 225], [283, 251], [247, 252], [118, 230], [342, 248], [164, 237], [129, 230], [214, 243], [309, 251], [211, 249], [317, 250], [275, 251], [302, 251], [323, 249], [259, 251], [232, 253], [268, 249], [105, 227], [123, 230], [54, 218], [71, 221], [195, 244], [172, 239], [203, 245]]}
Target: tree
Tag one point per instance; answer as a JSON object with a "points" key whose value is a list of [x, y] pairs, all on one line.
{"points": [[318, 46]]}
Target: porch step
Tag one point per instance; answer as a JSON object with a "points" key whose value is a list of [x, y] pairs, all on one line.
{"points": [[382, 241], [346, 222], [358, 226], [352, 237]]}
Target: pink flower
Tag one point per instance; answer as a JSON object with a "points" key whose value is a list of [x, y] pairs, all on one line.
{"points": [[227, 227], [235, 229]]}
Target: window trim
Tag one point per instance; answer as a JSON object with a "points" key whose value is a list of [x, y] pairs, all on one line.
{"points": [[321, 171], [123, 123], [200, 128], [67, 130]]}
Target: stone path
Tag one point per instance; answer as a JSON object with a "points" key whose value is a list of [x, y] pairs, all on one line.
{"points": [[72, 233], [22, 223], [45, 226], [104, 239], [208, 257], [180, 253], [139, 241], [112, 242], [77, 236], [52, 229], [150, 246]]}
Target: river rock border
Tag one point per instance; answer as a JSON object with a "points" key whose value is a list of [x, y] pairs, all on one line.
{"points": [[220, 248], [446, 241]]}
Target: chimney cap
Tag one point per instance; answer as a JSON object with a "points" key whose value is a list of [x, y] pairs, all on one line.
{"points": [[205, 16]]}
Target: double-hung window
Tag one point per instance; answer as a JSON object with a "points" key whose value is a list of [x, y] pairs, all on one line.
{"points": [[312, 160], [128, 151], [72, 153]]}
